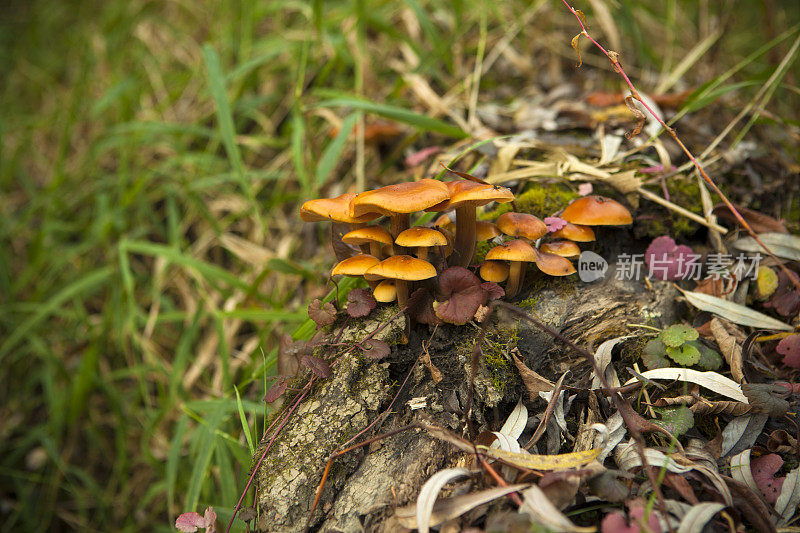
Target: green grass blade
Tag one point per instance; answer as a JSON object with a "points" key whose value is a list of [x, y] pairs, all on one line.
{"points": [[205, 441], [333, 151], [173, 460], [417, 120], [216, 82], [87, 283], [243, 420]]}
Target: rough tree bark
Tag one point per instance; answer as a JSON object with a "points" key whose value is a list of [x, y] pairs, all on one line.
{"points": [[365, 486]]}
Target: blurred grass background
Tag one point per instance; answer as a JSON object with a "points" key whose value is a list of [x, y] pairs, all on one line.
{"points": [[153, 158]]}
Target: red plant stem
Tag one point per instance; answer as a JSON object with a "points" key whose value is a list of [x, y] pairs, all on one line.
{"points": [[500, 481], [613, 57], [289, 412]]}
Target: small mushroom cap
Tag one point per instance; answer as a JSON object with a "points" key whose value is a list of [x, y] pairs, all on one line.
{"points": [[465, 192], [495, 271], [400, 198], [444, 222], [563, 248], [355, 266], [597, 211], [575, 232], [420, 236], [385, 291], [402, 267], [517, 250], [485, 231], [521, 225], [335, 209], [367, 235], [554, 265]]}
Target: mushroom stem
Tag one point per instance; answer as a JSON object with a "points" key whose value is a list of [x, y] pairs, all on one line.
{"points": [[375, 249], [515, 276], [465, 235], [399, 223], [402, 292], [422, 253]]}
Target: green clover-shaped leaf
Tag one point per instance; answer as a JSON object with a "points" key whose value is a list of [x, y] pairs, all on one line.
{"points": [[677, 334], [676, 420], [685, 355], [654, 355]]}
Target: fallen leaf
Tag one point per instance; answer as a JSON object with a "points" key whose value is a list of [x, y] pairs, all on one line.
{"points": [[698, 516], [780, 244], [360, 302], [763, 397], [542, 511], [430, 491], [731, 350], [759, 222], [534, 383], [789, 348], [736, 313], [710, 380], [786, 299], [616, 523], [564, 461], [763, 470], [668, 261]]}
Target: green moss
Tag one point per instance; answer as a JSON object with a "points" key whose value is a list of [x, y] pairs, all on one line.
{"points": [[535, 283], [683, 191], [481, 249], [541, 200]]}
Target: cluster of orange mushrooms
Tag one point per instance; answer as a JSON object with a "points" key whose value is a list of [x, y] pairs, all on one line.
{"points": [[393, 258]]}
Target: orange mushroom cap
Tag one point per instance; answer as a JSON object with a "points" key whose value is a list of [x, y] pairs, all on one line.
{"points": [[554, 265], [403, 267], [335, 209], [563, 248], [485, 231], [355, 266], [575, 232], [521, 225], [464, 192], [597, 211], [516, 250], [495, 271], [367, 235], [400, 198], [421, 236], [385, 291]]}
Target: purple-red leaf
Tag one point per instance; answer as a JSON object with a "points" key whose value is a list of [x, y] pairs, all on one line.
{"points": [[463, 295], [668, 261], [375, 349], [554, 223], [789, 348], [317, 366], [785, 300], [493, 290], [322, 315], [763, 469], [190, 522], [360, 302], [420, 307], [277, 389], [615, 522]]}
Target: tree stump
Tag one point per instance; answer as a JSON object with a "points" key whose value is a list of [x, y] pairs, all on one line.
{"points": [[365, 486]]}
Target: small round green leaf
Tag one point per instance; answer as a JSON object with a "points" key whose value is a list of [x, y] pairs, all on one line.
{"points": [[677, 334]]}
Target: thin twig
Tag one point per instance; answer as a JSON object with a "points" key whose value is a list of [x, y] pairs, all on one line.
{"points": [[614, 58]]}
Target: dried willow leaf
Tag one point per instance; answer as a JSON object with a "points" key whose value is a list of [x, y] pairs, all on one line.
{"points": [[542, 511], [534, 383], [603, 357], [789, 498], [448, 508], [698, 516], [741, 433], [577, 49], [429, 492], [781, 244], [529, 461], [516, 421], [723, 407], [710, 380], [736, 313], [729, 347]]}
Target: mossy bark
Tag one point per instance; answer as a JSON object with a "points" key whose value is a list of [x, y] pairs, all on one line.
{"points": [[366, 485]]}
